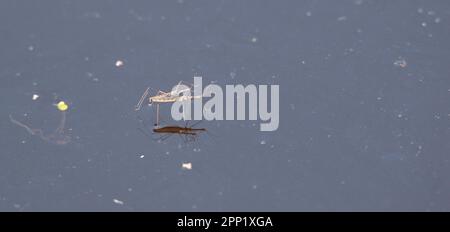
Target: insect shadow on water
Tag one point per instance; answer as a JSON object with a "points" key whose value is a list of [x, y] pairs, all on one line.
{"points": [[187, 132], [58, 136]]}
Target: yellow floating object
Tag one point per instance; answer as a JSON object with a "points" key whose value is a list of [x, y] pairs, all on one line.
{"points": [[62, 106]]}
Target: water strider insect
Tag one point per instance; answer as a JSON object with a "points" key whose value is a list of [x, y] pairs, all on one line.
{"points": [[188, 133], [166, 97], [57, 136]]}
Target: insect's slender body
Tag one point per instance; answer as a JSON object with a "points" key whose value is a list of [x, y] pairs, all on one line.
{"points": [[167, 98]]}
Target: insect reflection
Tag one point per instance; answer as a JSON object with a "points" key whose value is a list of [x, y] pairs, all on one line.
{"points": [[57, 137], [187, 133]]}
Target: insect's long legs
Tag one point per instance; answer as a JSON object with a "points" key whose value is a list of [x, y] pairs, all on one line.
{"points": [[139, 104], [157, 115]]}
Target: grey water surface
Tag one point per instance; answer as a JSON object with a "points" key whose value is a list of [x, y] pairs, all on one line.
{"points": [[364, 105]]}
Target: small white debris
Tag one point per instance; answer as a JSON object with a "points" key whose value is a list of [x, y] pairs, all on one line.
{"points": [[309, 14], [342, 18], [31, 48], [263, 142], [358, 2], [35, 97], [232, 75], [119, 63], [292, 106], [142, 156], [254, 40], [420, 10], [186, 166], [119, 202], [424, 24], [400, 63], [437, 20]]}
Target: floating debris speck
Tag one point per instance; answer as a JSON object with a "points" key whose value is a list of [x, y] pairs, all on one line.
{"points": [[119, 63], [119, 202], [342, 18], [400, 63], [62, 106], [35, 97], [186, 166]]}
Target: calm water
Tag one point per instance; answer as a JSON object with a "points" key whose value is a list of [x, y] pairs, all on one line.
{"points": [[364, 105]]}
